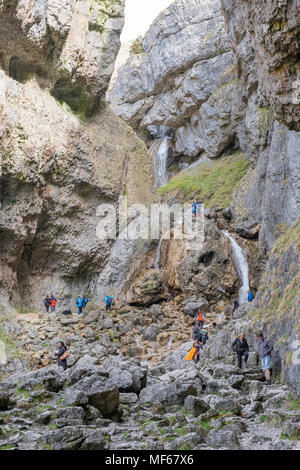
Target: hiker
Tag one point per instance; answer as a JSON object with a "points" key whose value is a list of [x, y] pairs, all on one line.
{"points": [[250, 296], [85, 301], [235, 305], [196, 332], [60, 354], [198, 346], [109, 300], [47, 303], [241, 348], [265, 348], [79, 303], [194, 211], [200, 318], [53, 303], [203, 336]]}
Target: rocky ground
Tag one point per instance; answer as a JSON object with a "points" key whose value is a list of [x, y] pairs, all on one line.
{"points": [[128, 387]]}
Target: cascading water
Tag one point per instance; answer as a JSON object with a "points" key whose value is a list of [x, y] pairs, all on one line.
{"points": [[157, 258], [241, 263], [161, 160]]}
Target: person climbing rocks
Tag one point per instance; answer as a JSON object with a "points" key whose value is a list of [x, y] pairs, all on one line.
{"points": [[108, 301], [85, 301], [47, 303], [265, 349], [198, 346], [235, 305], [53, 303], [79, 303], [200, 318], [241, 348], [250, 296], [62, 355], [196, 334], [203, 336]]}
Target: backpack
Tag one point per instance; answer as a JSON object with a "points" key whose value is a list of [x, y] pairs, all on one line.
{"points": [[65, 356], [67, 312]]}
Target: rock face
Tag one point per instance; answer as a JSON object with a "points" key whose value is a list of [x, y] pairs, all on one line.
{"points": [[265, 37], [71, 47], [56, 168], [184, 80]]}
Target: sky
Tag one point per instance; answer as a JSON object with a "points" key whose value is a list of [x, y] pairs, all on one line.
{"points": [[139, 14]]}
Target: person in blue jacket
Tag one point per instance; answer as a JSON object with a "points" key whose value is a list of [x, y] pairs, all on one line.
{"points": [[250, 296], [85, 301], [79, 303]]}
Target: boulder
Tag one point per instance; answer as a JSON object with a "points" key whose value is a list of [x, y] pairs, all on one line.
{"points": [[101, 393], [166, 394], [196, 406], [152, 332], [92, 316]]}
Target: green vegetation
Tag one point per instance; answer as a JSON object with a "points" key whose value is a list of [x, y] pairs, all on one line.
{"points": [[214, 182], [294, 405], [266, 118], [180, 431], [205, 425], [137, 47], [224, 86], [11, 347], [6, 447]]}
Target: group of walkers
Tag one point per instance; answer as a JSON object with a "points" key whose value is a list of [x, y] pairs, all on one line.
{"points": [[81, 303], [200, 337], [241, 348], [50, 302]]}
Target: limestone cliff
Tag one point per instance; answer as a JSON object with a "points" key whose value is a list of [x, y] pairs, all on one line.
{"points": [[57, 166]]}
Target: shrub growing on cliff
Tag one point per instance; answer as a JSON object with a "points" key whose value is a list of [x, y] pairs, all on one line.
{"points": [[137, 47]]}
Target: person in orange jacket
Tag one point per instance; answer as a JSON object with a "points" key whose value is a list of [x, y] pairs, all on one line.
{"points": [[53, 303]]}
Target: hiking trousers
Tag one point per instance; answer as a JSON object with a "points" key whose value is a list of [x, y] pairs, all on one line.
{"points": [[240, 355]]}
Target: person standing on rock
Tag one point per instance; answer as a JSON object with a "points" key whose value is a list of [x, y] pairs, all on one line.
{"points": [[62, 360], [265, 349], [241, 347], [250, 296], [47, 303], [53, 303], [79, 303], [199, 319]]}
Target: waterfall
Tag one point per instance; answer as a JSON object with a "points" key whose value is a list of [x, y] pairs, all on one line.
{"points": [[240, 260], [157, 258], [161, 160]]}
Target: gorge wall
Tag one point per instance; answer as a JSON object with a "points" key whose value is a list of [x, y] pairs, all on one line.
{"points": [[62, 151]]}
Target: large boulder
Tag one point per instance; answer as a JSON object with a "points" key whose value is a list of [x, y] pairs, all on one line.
{"points": [[101, 393], [166, 394]]}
